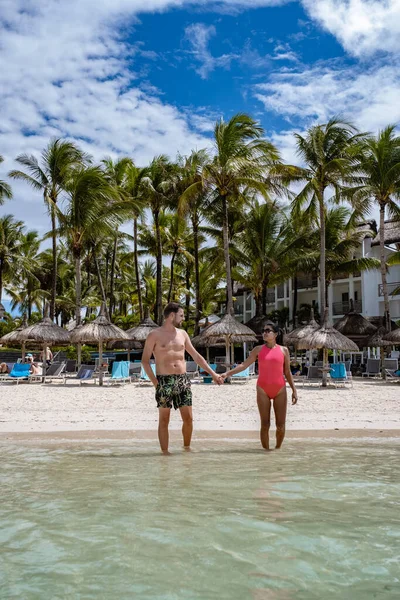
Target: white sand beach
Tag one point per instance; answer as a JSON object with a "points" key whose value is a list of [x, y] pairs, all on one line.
{"points": [[35, 408]]}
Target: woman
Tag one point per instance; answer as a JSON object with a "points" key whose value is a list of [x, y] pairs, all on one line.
{"points": [[273, 367], [3, 369]]}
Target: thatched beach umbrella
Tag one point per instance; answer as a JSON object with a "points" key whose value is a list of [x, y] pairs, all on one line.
{"points": [[140, 332], [99, 331], [294, 337], [379, 340], [202, 341], [355, 326], [229, 329], [327, 338], [393, 337], [257, 324], [13, 337], [46, 333]]}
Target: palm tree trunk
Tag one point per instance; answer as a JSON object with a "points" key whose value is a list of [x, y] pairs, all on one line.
{"points": [[101, 284], [158, 314], [187, 298], [258, 302], [264, 298], [322, 276], [171, 283], [54, 270], [78, 307], [225, 224], [295, 296], [383, 265], [199, 306], [112, 275], [1, 278], [137, 273]]}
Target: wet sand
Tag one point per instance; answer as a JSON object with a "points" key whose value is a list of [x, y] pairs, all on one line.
{"points": [[130, 411]]}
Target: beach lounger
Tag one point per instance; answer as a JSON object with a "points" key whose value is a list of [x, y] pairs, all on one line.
{"points": [[242, 377], [135, 369], [339, 374], [20, 372], [252, 370], [55, 371], [392, 375], [392, 364], [84, 373], [70, 366], [314, 375], [119, 373], [192, 369], [373, 368]]}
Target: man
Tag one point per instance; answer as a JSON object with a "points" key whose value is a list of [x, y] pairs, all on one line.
{"points": [[168, 343]]}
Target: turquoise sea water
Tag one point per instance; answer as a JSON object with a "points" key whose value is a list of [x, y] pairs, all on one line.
{"points": [[317, 520]]}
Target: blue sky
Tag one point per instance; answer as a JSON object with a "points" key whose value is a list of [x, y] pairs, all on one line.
{"points": [[129, 77]]}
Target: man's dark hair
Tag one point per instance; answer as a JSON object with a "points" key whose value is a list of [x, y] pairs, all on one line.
{"points": [[172, 307]]}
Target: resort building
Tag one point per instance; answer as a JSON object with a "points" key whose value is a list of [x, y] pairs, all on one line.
{"points": [[365, 288]]}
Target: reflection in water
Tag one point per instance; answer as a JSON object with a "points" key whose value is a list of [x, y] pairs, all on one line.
{"points": [[226, 522]]}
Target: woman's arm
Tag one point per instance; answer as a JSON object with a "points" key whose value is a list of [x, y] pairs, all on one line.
{"points": [[288, 374], [249, 361]]}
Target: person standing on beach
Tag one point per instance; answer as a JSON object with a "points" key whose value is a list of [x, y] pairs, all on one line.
{"points": [[168, 343], [273, 367]]}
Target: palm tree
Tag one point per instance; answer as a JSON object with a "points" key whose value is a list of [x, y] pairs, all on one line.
{"points": [[159, 186], [134, 178], [116, 174], [87, 217], [380, 181], [328, 152], [25, 290], [49, 177], [178, 243], [5, 188], [343, 239], [242, 161], [194, 205], [10, 239], [265, 253]]}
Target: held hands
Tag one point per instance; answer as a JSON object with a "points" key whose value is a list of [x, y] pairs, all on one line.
{"points": [[218, 379]]}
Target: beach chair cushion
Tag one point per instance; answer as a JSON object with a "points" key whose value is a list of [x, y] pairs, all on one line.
{"points": [[338, 371], [120, 370], [243, 374], [21, 370]]}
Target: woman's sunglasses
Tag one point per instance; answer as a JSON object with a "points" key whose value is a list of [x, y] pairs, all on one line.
{"points": [[267, 330]]}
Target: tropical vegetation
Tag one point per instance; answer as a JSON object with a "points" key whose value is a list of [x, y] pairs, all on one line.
{"points": [[195, 228]]}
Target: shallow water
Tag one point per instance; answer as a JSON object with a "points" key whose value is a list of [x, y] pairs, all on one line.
{"points": [[116, 520]]}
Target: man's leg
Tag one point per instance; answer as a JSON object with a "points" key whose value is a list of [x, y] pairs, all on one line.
{"points": [[163, 422], [280, 405], [264, 408], [187, 426]]}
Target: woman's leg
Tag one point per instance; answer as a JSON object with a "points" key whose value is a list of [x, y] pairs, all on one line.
{"points": [[264, 407], [280, 404]]}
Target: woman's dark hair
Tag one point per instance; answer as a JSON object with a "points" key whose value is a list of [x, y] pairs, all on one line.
{"points": [[172, 307], [276, 329]]}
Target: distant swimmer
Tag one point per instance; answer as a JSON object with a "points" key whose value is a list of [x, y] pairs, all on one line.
{"points": [[273, 367], [168, 343]]}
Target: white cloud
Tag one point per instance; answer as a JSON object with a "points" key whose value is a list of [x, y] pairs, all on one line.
{"points": [[198, 35], [363, 27], [369, 98]]}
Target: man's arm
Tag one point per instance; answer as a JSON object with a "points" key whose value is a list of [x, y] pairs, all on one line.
{"points": [[146, 356], [249, 361], [288, 374], [200, 360]]}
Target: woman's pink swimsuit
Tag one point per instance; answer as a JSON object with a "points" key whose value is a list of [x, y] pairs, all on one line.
{"points": [[270, 370]]}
